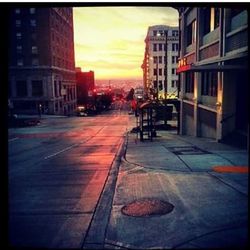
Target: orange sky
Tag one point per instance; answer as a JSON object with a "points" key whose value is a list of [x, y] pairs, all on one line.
{"points": [[110, 40]]}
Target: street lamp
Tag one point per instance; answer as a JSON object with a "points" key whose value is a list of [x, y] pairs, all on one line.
{"points": [[157, 69], [166, 62]]}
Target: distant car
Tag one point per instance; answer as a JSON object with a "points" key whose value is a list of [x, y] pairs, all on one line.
{"points": [[81, 111]]}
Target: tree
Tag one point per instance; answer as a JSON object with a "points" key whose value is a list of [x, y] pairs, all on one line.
{"points": [[130, 95]]}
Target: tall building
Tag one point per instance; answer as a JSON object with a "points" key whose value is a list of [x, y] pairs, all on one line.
{"points": [[213, 73], [85, 82], [160, 62], [41, 60]]}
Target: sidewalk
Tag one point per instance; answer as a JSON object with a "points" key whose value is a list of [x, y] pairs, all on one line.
{"points": [[210, 206]]}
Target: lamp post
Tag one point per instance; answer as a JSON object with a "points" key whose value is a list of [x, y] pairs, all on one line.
{"points": [[157, 77], [166, 74], [157, 69], [166, 67]]}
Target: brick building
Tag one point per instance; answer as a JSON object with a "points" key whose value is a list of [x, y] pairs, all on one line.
{"points": [[213, 73], [41, 60], [85, 82]]}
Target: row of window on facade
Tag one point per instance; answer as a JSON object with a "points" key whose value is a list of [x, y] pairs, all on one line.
{"points": [[159, 59], [163, 33], [58, 62], [31, 11], [162, 47], [160, 84], [32, 23], [209, 83], [37, 89], [211, 21], [160, 71]]}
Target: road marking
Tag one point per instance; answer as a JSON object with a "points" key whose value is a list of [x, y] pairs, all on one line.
{"points": [[59, 152], [13, 139]]}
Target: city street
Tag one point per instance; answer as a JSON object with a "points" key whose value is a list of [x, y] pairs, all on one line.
{"points": [[57, 171], [71, 177]]}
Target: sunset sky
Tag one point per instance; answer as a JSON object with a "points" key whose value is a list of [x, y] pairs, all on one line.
{"points": [[110, 40]]}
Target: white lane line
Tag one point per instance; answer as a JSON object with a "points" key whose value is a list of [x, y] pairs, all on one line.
{"points": [[13, 139], [59, 152]]}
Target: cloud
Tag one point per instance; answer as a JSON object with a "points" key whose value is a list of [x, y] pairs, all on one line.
{"points": [[110, 40]]}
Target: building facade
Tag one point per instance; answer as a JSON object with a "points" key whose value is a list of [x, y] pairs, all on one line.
{"points": [[41, 60], [85, 82], [160, 62], [213, 72]]}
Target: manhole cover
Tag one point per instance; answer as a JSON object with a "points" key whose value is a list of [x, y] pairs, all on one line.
{"points": [[147, 207]]}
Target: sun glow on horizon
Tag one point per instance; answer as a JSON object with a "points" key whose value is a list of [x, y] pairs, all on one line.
{"points": [[110, 40]]}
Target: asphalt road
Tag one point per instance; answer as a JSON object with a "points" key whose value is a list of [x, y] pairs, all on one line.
{"points": [[57, 172]]}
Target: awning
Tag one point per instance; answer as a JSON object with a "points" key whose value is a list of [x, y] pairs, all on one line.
{"points": [[210, 67]]}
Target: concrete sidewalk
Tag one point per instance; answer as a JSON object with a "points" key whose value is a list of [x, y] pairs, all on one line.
{"points": [[210, 207]]}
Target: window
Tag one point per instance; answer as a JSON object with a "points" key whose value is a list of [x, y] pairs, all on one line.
{"points": [[56, 107], [189, 82], [211, 19], [175, 33], [154, 47], [209, 83], [173, 84], [20, 62], [17, 11], [155, 33], [160, 72], [37, 88], [55, 89], [155, 72], [155, 59], [21, 88], [165, 59], [18, 23], [19, 49], [191, 33], [33, 36], [155, 84], [235, 12], [34, 50], [160, 59], [32, 10], [160, 85], [160, 47], [174, 46], [35, 62], [19, 35], [173, 71], [33, 22], [173, 59], [60, 88]]}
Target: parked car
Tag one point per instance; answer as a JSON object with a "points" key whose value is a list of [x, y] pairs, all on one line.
{"points": [[81, 111]]}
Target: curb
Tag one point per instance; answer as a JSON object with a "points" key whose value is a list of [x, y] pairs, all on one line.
{"points": [[95, 236]]}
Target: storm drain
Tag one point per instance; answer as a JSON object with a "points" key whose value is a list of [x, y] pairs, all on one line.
{"points": [[147, 207], [188, 150]]}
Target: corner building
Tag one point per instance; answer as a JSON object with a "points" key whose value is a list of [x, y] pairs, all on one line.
{"points": [[41, 60], [160, 62], [213, 73]]}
